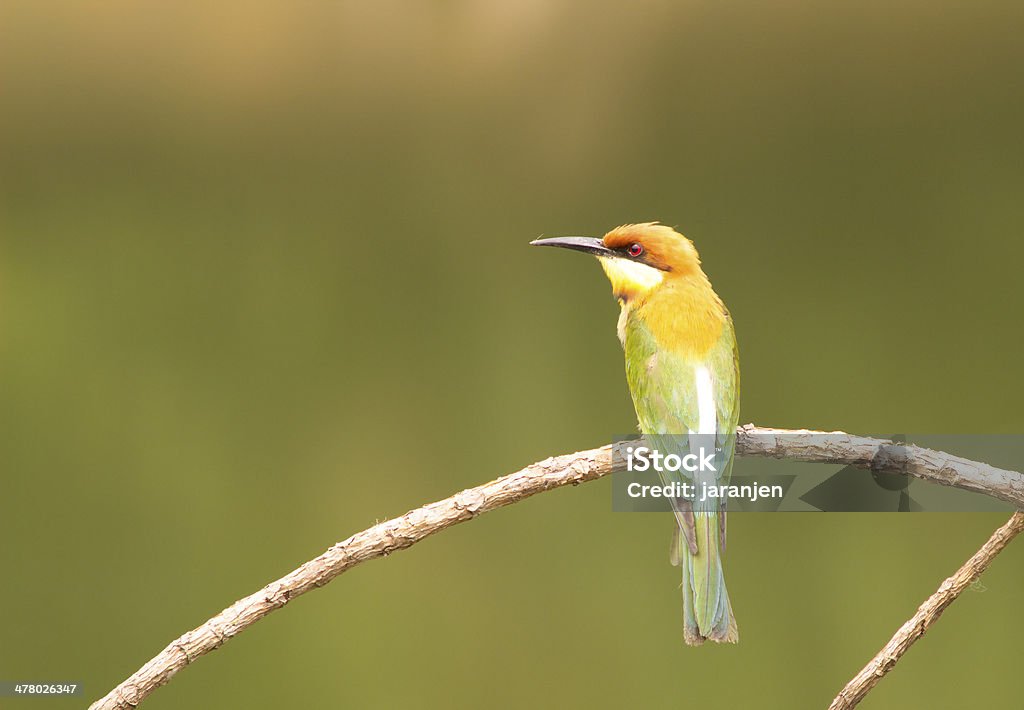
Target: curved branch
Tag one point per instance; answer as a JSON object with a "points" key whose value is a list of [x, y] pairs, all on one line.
{"points": [[884, 456], [399, 533], [927, 614]]}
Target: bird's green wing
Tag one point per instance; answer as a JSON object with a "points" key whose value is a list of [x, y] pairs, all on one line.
{"points": [[686, 404], [684, 401]]}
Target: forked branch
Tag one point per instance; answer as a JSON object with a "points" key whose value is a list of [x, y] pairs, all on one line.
{"points": [[405, 531]]}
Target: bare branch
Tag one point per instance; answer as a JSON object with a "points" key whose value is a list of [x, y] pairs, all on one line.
{"points": [[927, 614], [399, 533], [880, 455]]}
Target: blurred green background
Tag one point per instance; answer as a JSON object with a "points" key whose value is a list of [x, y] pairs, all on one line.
{"points": [[264, 280]]}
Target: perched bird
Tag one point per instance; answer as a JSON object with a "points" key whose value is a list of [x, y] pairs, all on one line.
{"points": [[683, 373]]}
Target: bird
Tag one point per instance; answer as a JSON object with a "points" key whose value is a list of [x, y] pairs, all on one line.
{"points": [[682, 368]]}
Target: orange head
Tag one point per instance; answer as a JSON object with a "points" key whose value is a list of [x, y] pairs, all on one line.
{"points": [[638, 258], [656, 276]]}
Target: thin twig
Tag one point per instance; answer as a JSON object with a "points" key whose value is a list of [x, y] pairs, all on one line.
{"points": [[927, 614], [399, 533]]}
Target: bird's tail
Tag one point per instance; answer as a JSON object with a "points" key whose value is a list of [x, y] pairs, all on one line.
{"points": [[707, 613]]}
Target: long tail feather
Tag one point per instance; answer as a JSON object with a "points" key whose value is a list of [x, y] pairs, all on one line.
{"points": [[707, 612]]}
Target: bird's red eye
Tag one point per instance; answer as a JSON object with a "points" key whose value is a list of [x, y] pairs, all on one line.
{"points": [[636, 249]]}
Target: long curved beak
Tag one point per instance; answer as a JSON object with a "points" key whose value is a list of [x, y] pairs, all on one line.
{"points": [[590, 245]]}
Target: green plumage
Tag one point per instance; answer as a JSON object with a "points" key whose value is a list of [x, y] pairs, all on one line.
{"points": [[663, 383], [683, 373]]}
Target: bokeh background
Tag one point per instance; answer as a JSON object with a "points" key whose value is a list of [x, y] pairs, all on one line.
{"points": [[264, 280]]}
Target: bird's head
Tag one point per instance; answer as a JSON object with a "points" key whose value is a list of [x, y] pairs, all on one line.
{"points": [[637, 258]]}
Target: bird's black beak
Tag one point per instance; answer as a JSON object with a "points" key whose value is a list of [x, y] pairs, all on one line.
{"points": [[590, 245]]}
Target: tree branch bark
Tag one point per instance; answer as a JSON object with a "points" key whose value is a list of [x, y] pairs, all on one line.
{"points": [[402, 532], [927, 614]]}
